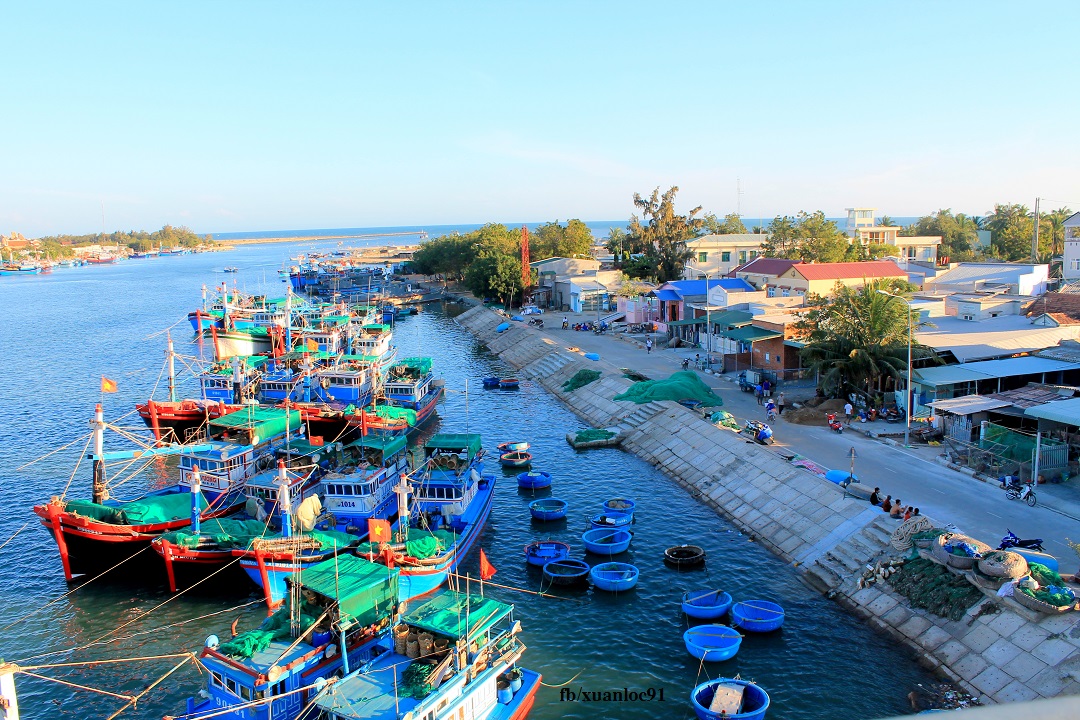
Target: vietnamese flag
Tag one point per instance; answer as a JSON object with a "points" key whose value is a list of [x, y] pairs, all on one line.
{"points": [[378, 530], [107, 385], [486, 568]]}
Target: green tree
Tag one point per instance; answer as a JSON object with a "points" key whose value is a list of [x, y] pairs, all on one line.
{"points": [[808, 237], [554, 240], [959, 233], [1054, 222], [663, 234], [732, 224], [497, 276], [858, 337], [886, 221], [1012, 228], [615, 243]]}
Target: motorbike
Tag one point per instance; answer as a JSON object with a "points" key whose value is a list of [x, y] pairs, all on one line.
{"points": [[537, 322], [770, 411], [892, 415], [686, 364], [565, 324], [758, 430], [1012, 541], [1016, 490], [834, 424]]}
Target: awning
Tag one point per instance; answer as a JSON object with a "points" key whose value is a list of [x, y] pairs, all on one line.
{"points": [[689, 321], [1066, 412], [731, 318], [968, 405], [751, 334]]}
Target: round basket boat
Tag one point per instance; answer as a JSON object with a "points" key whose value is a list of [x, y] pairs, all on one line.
{"points": [[1002, 564], [1038, 605], [712, 643], [610, 520], [757, 615], [490, 382], [542, 552], [960, 562], [684, 556], [509, 383], [509, 446], [547, 509], [626, 506], [534, 479], [989, 582], [614, 576], [515, 458], [606, 541], [729, 699], [566, 572], [706, 604]]}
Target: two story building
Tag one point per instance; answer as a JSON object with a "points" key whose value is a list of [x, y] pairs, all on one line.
{"points": [[717, 255], [821, 278]]}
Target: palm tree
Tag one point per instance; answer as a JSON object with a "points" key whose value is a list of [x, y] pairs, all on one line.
{"points": [[886, 221]]}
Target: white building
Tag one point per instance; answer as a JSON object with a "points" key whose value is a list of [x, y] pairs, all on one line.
{"points": [[1012, 278], [718, 255], [1071, 262]]}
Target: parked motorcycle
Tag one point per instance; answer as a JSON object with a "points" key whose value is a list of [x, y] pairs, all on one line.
{"points": [[758, 430], [1016, 490], [1012, 541], [893, 415], [836, 425], [537, 322]]}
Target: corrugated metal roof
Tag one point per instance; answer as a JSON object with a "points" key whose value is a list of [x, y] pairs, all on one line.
{"points": [[987, 369], [856, 270], [947, 375], [993, 338], [1065, 411], [968, 405], [669, 295], [751, 334]]}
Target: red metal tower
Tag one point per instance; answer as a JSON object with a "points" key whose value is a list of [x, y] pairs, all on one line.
{"points": [[526, 272]]}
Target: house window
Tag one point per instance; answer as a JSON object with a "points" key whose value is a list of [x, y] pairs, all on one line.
{"points": [[742, 257], [787, 292], [703, 257], [770, 291], [800, 292], [1074, 264], [778, 359], [753, 254], [725, 256], [766, 357]]}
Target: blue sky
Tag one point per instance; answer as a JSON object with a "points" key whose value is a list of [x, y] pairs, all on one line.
{"points": [[247, 116]]}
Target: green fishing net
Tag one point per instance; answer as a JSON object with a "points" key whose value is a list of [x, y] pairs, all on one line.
{"points": [[581, 379], [928, 585], [683, 385], [591, 434]]}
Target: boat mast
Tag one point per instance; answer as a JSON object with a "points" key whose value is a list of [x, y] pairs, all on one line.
{"points": [[172, 368], [196, 494], [236, 383], [98, 424], [288, 318], [402, 492]]}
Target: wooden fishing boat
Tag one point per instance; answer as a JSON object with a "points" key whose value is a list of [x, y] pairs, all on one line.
{"points": [[606, 541], [684, 555], [490, 382], [515, 459], [706, 604], [547, 509], [729, 699], [610, 520], [511, 446], [542, 552], [712, 643], [614, 576], [533, 479], [757, 615], [566, 572], [508, 384], [626, 506]]}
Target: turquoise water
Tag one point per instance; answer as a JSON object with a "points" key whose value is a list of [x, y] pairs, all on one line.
{"points": [[66, 330]]}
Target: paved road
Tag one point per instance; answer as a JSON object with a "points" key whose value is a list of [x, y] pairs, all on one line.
{"points": [[978, 508]]}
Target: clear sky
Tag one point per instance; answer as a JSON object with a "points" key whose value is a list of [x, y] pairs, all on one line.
{"points": [[231, 116]]}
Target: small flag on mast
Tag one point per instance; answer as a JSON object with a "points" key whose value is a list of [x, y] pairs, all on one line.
{"points": [[487, 570], [312, 345], [378, 530], [107, 385]]}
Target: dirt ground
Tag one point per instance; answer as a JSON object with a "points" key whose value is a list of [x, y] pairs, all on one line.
{"points": [[815, 415]]}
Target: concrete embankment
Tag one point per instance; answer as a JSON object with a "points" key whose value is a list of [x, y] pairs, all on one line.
{"points": [[998, 650]]}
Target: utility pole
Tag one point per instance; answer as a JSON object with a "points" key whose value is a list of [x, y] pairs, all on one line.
{"points": [[1035, 236]]}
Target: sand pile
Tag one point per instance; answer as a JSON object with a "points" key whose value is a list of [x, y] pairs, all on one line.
{"points": [[815, 415]]}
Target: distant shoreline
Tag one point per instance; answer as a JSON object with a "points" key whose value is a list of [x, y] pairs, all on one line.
{"points": [[309, 238]]}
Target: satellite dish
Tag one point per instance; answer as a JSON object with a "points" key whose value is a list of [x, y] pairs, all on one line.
{"points": [[212, 641]]}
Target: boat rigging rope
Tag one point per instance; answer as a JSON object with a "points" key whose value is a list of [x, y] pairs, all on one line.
{"points": [[151, 336], [108, 661], [565, 683], [53, 452], [172, 625], [135, 700], [76, 685], [16, 533], [254, 703]]}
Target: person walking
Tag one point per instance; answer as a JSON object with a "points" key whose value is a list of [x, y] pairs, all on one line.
{"points": [[766, 388], [780, 404], [847, 412], [648, 345], [759, 393]]}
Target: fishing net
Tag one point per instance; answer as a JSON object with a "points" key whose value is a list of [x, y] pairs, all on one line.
{"points": [[414, 681], [581, 379], [591, 435], [388, 412], [723, 418], [1055, 595], [1044, 575], [930, 586], [275, 627], [421, 544], [684, 385], [223, 533]]}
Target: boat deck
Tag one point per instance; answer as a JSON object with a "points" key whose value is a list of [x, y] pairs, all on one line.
{"points": [[374, 691]]}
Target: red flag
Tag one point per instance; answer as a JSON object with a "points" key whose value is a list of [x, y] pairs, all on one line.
{"points": [[316, 440], [107, 385], [486, 568], [378, 530]]}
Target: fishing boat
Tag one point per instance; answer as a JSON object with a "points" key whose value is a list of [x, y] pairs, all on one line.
{"points": [[410, 384], [463, 664], [706, 604], [509, 383], [94, 535], [450, 503], [626, 506], [712, 643], [610, 520], [606, 541], [684, 556], [511, 446], [490, 382], [373, 340], [515, 459], [542, 552], [344, 603], [547, 509], [566, 572], [232, 269], [532, 479], [729, 699], [364, 487], [614, 576], [757, 615], [101, 260]]}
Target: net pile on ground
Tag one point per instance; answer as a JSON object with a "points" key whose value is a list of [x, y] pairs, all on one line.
{"points": [[680, 386], [581, 379], [930, 586], [592, 435], [1051, 590]]}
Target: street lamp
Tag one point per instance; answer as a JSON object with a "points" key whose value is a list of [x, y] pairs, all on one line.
{"points": [[907, 389], [708, 323]]}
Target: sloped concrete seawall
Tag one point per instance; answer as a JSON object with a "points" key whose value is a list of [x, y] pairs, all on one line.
{"points": [[1001, 653]]}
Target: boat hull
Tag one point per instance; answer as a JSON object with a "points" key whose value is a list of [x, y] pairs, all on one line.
{"points": [[706, 604]]}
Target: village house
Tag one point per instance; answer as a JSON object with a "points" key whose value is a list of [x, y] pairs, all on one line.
{"points": [[862, 227], [762, 272], [1070, 266], [716, 255], [820, 278], [1013, 278], [573, 284]]}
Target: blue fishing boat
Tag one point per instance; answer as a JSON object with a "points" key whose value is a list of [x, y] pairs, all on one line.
{"points": [[712, 643], [463, 664], [566, 572], [533, 479], [757, 615], [511, 446], [363, 488], [706, 604], [509, 383], [614, 576], [547, 509], [515, 459], [410, 384], [451, 501], [264, 674], [610, 520], [606, 541], [490, 382], [542, 552], [626, 506], [729, 699]]}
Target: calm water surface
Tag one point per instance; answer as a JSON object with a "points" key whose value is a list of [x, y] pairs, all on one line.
{"points": [[62, 332]]}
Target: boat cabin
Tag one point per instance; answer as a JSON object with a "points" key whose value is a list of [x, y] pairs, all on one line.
{"points": [[264, 676], [365, 489], [450, 478], [255, 425], [217, 380], [347, 382], [408, 382], [265, 486], [225, 466], [474, 644], [372, 339]]}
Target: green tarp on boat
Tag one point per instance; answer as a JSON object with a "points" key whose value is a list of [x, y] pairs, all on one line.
{"points": [[446, 614], [455, 443], [366, 592], [421, 364], [147, 511], [253, 420], [421, 544]]}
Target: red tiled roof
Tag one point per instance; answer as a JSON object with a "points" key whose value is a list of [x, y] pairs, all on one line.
{"points": [[766, 266], [1054, 304], [850, 270]]}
